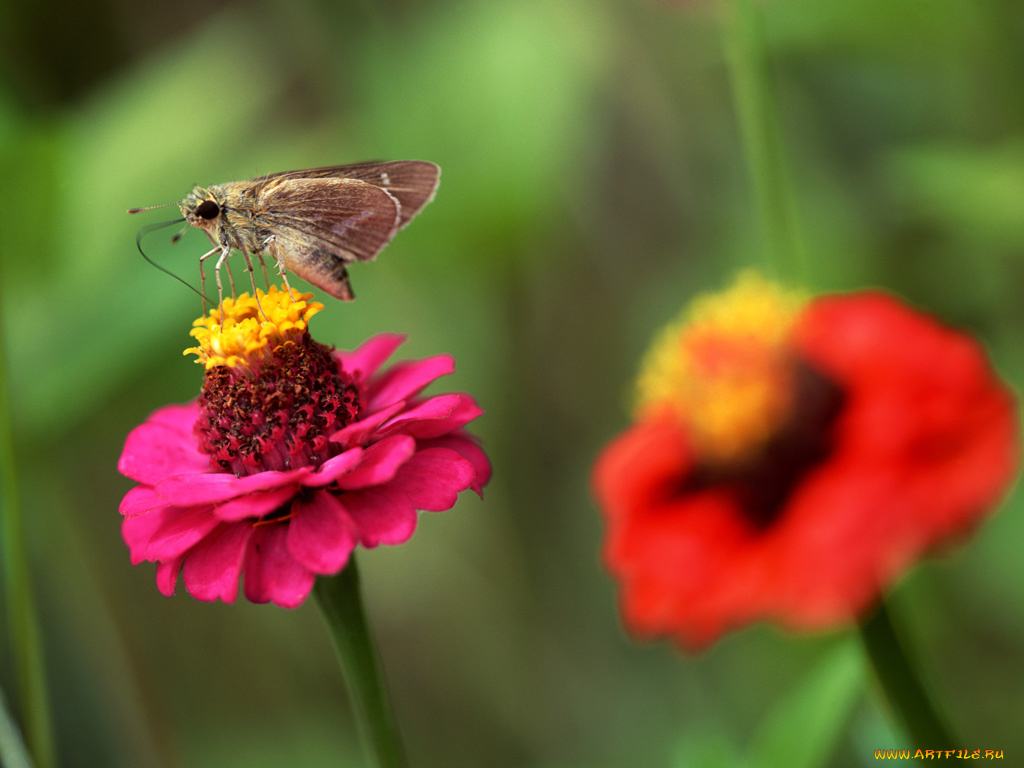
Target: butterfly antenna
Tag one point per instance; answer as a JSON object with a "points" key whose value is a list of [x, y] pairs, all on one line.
{"points": [[153, 207], [138, 244]]}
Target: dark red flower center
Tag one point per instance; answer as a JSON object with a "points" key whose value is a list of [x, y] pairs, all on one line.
{"points": [[278, 414], [763, 482]]}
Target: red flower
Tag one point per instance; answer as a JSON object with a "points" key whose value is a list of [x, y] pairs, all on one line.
{"points": [[874, 435], [291, 457]]}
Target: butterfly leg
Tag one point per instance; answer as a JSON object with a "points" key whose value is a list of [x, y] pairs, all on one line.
{"points": [[202, 275], [252, 279], [231, 277], [224, 252], [263, 264], [270, 244]]}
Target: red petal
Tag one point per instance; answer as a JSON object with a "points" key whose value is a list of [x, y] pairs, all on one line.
{"points": [[403, 380], [466, 446], [154, 450], [384, 515], [167, 576], [320, 533], [380, 462], [180, 532], [139, 529], [333, 468], [433, 478], [437, 416], [359, 432], [272, 575], [140, 500], [213, 566], [254, 505], [180, 417], [189, 490], [364, 361]]}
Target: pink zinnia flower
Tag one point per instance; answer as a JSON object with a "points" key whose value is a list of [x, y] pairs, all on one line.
{"points": [[291, 456]]}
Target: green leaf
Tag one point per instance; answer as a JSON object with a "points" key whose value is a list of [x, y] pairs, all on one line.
{"points": [[802, 730], [707, 747]]}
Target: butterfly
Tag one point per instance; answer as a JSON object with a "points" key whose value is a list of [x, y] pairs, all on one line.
{"points": [[313, 222]]}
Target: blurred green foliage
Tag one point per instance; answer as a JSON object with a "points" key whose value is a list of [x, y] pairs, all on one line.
{"points": [[592, 183]]}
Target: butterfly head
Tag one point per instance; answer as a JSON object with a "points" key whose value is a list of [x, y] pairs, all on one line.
{"points": [[201, 209]]}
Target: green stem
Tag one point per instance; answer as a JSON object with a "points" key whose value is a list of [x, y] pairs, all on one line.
{"points": [[26, 639], [902, 683], [342, 609], [762, 141]]}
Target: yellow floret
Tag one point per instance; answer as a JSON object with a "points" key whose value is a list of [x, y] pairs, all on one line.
{"points": [[250, 327], [724, 368]]}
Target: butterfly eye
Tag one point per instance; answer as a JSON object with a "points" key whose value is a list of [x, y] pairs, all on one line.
{"points": [[208, 209]]}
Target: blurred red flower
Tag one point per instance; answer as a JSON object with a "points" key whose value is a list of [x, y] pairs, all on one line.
{"points": [[789, 460]]}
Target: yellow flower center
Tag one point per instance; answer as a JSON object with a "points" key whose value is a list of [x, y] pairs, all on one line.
{"points": [[251, 327], [723, 368]]}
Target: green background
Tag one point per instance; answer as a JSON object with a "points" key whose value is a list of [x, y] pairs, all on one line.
{"points": [[593, 182]]}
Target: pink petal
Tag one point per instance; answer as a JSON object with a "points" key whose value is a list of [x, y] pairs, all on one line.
{"points": [[140, 500], [466, 411], [154, 451], [167, 576], [213, 566], [189, 490], [438, 407], [434, 417], [433, 478], [181, 532], [384, 515], [468, 448], [380, 462], [320, 533], [254, 505], [180, 417], [137, 531], [365, 360], [271, 573], [403, 380], [359, 432], [333, 468]]}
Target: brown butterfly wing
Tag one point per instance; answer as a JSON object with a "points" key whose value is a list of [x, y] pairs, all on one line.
{"points": [[412, 182], [314, 226], [349, 218]]}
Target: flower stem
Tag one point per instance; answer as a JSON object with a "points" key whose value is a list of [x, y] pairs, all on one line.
{"points": [[26, 639], [762, 139], [901, 682], [13, 753], [342, 609]]}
